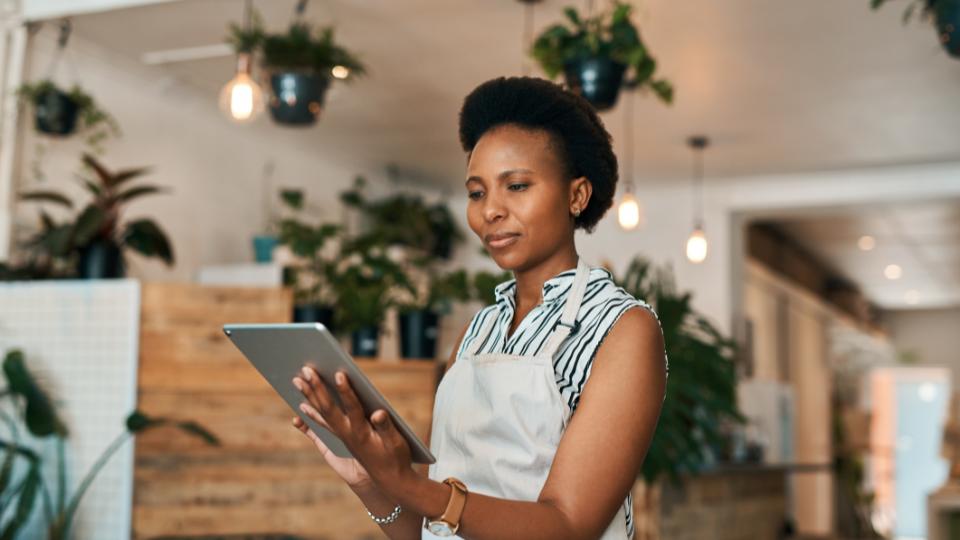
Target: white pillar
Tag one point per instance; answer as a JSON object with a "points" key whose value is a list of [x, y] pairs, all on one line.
{"points": [[13, 46]]}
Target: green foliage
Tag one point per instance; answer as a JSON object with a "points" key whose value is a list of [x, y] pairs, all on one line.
{"points": [[92, 120], [485, 283], [701, 387], [55, 247], [363, 279], [310, 279], [608, 35], [42, 420], [300, 48]]}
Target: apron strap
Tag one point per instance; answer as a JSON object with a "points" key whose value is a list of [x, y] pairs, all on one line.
{"points": [[568, 320], [484, 332]]}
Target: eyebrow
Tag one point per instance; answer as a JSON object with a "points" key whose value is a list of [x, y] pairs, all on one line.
{"points": [[501, 176]]}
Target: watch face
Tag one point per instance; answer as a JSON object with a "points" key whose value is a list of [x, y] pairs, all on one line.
{"points": [[440, 528]]}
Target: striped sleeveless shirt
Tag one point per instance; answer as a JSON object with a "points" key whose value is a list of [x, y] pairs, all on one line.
{"points": [[603, 304]]}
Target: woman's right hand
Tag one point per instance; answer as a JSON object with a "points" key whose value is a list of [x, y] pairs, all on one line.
{"points": [[349, 469]]}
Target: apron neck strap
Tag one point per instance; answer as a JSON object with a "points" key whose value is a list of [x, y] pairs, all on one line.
{"points": [[568, 320]]}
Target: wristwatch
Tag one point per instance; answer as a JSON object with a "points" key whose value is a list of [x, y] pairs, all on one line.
{"points": [[449, 522]]}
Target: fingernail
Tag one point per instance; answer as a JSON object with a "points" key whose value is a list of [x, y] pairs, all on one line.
{"points": [[341, 378], [297, 383], [303, 407], [306, 373]]}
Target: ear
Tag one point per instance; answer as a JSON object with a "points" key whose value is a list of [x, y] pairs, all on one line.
{"points": [[580, 191]]}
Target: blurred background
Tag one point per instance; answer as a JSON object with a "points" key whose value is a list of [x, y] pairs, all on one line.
{"points": [[789, 201]]}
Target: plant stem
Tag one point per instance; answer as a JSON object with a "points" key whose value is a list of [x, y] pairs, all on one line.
{"points": [[66, 519], [61, 476]]}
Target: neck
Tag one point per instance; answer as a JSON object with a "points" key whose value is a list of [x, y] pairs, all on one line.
{"points": [[530, 280]]}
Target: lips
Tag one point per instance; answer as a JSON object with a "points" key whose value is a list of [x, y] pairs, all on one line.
{"points": [[500, 240]]}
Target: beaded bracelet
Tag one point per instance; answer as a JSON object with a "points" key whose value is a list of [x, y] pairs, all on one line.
{"points": [[385, 520]]}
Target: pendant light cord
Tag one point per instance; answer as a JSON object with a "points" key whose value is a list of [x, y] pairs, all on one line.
{"points": [[527, 38], [698, 143], [63, 38], [628, 141]]}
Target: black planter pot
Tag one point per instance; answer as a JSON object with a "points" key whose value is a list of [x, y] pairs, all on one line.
{"points": [[314, 313], [297, 98], [947, 16], [596, 78], [56, 113], [364, 341], [101, 260], [418, 334]]}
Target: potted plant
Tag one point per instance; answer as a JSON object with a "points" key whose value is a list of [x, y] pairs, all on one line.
{"points": [[701, 388], [300, 64], [313, 294], [58, 111], [597, 53], [21, 475], [362, 280], [945, 15], [419, 315], [96, 237]]}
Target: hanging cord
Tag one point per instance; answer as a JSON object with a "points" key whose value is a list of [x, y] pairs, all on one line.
{"points": [[247, 14], [698, 143], [527, 38], [63, 38], [628, 141]]}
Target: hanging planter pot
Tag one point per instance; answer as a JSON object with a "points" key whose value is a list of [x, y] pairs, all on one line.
{"points": [[418, 334], [55, 112], [946, 14], [297, 98], [596, 78], [364, 341], [101, 259]]}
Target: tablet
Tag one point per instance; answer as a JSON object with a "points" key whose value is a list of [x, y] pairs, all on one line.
{"points": [[279, 351]]}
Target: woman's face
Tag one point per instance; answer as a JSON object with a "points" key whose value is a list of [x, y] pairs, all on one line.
{"points": [[521, 202]]}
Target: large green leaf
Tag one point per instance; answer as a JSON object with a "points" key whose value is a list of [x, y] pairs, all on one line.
{"points": [[47, 196], [89, 224], [146, 237], [103, 175], [40, 415]]}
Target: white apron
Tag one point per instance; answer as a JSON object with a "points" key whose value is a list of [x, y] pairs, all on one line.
{"points": [[498, 418]]}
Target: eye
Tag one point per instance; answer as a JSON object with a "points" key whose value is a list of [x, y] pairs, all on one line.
{"points": [[519, 186], [475, 195]]}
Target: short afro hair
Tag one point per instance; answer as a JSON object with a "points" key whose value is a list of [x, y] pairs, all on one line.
{"points": [[537, 104]]}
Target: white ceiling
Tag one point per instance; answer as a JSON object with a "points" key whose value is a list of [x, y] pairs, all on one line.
{"points": [[779, 86], [922, 238]]}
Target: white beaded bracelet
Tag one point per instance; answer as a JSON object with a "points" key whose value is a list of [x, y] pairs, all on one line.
{"points": [[385, 520]]}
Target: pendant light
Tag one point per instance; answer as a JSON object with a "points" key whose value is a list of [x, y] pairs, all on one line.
{"points": [[629, 212], [697, 242], [241, 99]]}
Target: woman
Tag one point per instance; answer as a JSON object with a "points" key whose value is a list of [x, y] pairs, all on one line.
{"points": [[513, 461]]}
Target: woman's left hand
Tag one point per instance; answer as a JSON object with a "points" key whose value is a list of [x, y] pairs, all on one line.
{"points": [[374, 441]]}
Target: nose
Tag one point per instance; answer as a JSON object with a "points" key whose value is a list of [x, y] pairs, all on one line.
{"points": [[493, 208]]}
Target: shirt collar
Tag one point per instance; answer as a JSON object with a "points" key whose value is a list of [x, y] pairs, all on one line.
{"points": [[554, 288]]}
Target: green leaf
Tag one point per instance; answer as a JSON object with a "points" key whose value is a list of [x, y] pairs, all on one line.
{"points": [[125, 175], [145, 237], [197, 430], [27, 499], [292, 198], [47, 196], [137, 421], [40, 416], [573, 16], [102, 173], [89, 223], [663, 89], [136, 192]]}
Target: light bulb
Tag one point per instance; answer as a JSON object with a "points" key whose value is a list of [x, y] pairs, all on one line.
{"points": [[629, 213], [697, 246], [340, 72], [893, 271], [241, 99]]}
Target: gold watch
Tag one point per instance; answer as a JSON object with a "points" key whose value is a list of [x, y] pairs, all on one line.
{"points": [[449, 522]]}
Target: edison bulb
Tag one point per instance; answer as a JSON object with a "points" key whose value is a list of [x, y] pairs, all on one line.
{"points": [[340, 72], [697, 246], [629, 213], [241, 99]]}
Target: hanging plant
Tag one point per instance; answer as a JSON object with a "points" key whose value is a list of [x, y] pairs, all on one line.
{"points": [[945, 15], [300, 64], [598, 55], [63, 112]]}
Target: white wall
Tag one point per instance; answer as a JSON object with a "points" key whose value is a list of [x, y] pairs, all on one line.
{"points": [[212, 167], [931, 335]]}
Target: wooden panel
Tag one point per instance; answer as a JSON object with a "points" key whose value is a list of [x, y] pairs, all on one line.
{"points": [[266, 477]]}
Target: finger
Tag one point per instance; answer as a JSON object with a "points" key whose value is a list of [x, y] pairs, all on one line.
{"points": [[317, 441], [384, 425], [348, 398], [316, 391], [315, 415]]}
